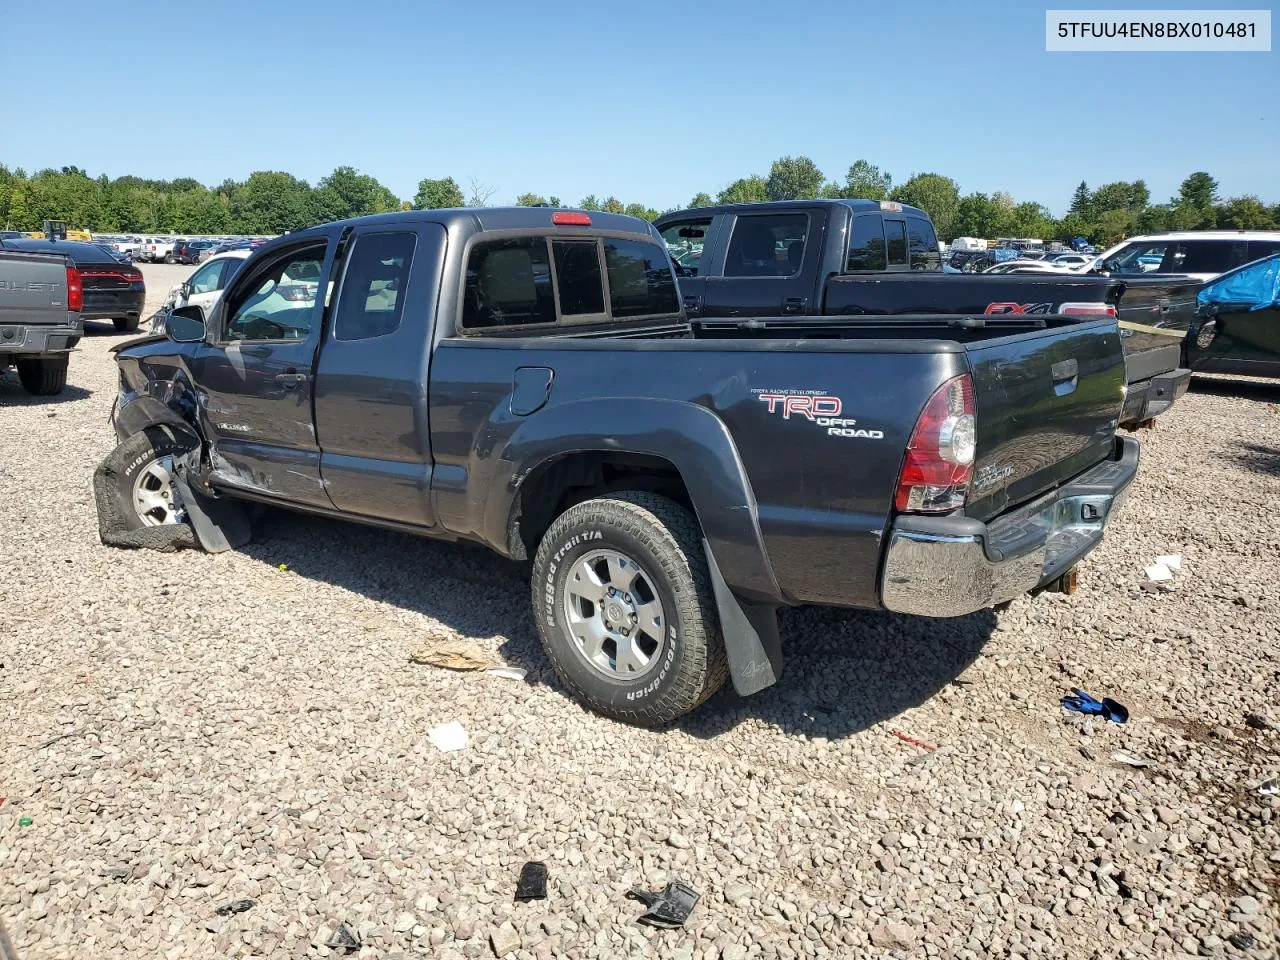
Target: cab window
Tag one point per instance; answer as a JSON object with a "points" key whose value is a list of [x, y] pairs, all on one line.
{"points": [[373, 289], [922, 244], [895, 234], [866, 244], [279, 301], [767, 245], [684, 242]]}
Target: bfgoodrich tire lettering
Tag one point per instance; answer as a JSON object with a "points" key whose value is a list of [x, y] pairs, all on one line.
{"points": [[663, 538]]}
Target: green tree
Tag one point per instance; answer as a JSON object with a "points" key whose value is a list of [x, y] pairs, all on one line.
{"points": [[1081, 202], [977, 215], [268, 202], [1121, 195], [438, 194], [1245, 213], [641, 211], [935, 194], [700, 199], [553, 201], [349, 193], [531, 200], [746, 190], [590, 202], [613, 205], [1199, 190], [1031, 220], [19, 217], [865, 181], [794, 178]]}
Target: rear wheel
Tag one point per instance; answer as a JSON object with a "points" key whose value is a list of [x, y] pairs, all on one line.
{"points": [[168, 258], [44, 377], [623, 602]]}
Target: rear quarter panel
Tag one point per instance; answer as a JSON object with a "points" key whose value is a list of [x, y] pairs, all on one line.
{"points": [[821, 466]]}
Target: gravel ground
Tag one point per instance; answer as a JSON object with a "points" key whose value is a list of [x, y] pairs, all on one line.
{"points": [[186, 730]]}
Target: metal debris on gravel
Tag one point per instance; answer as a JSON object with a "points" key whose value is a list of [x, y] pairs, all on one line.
{"points": [[263, 736]]}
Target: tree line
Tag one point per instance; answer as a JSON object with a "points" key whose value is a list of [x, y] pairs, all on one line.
{"points": [[273, 202]]}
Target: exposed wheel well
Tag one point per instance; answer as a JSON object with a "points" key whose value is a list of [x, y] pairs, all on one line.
{"points": [[557, 485]]}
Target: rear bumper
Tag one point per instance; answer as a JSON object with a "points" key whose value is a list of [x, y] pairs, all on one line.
{"points": [[950, 566], [107, 304], [28, 340], [1150, 398]]}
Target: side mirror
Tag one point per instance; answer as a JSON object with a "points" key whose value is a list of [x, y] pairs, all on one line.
{"points": [[185, 325]]}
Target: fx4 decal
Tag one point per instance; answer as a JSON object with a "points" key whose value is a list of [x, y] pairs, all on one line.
{"points": [[1020, 308], [817, 408]]}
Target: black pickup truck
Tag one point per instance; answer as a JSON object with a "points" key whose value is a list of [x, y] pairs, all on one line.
{"points": [[527, 379], [801, 259]]}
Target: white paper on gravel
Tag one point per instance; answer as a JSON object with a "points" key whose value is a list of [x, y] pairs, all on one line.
{"points": [[509, 673], [448, 737], [1163, 568]]}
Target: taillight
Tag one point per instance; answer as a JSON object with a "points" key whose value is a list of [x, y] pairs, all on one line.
{"points": [[939, 464], [570, 218], [1087, 309], [75, 291]]}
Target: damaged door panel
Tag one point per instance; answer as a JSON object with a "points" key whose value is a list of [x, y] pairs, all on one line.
{"points": [[255, 374]]}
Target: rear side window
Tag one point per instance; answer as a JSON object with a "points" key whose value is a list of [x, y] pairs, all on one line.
{"points": [[374, 286], [508, 284], [640, 279], [578, 277], [768, 245], [923, 245], [866, 244], [1208, 256], [895, 234], [1263, 248]]}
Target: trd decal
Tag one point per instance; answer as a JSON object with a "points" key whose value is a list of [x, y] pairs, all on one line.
{"points": [[802, 405], [1018, 308], [817, 408]]}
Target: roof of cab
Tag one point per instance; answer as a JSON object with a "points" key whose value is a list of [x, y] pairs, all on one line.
{"points": [[481, 219], [857, 206]]}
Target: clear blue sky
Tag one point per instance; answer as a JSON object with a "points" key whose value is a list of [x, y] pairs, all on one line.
{"points": [[648, 101]]}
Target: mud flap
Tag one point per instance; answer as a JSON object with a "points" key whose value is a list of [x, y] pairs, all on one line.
{"points": [[750, 631], [220, 525]]}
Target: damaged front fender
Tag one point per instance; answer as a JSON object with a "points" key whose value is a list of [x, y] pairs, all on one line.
{"points": [[143, 412]]}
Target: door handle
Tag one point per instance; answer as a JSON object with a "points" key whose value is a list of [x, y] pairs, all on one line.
{"points": [[291, 378], [692, 302], [794, 304]]}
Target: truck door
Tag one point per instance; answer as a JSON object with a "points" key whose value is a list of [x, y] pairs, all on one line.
{"points": [[770, 266], [255, 374], [371, 380]]}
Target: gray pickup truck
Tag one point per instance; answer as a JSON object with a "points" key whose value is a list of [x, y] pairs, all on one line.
{"points": [[41, 296], [527, 379]]}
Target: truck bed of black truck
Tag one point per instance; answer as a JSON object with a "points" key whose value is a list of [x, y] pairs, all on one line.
{"points": [[527, 379], [809, 259]]}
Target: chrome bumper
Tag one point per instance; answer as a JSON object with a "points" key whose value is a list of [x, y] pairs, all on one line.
{"points": [[950, 566]]}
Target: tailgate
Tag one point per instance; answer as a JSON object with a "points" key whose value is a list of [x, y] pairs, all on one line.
{"points": [[33, 288], [1155, 312], [1047, 403]]}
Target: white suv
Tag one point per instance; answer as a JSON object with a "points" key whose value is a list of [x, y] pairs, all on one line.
{"points": [[1202, 254]]}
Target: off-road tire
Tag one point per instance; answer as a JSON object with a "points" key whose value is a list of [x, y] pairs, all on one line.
{"points": [[126, 324], [118, 522], [43, 377], [665, 539]]}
